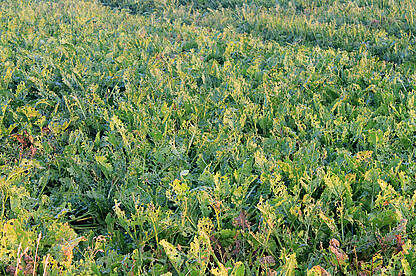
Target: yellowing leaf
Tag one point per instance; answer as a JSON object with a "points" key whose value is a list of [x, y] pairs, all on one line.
{"points": [[329, 222], [318, 271], [172, 253], [220, 271], [364, 155], [102, 161]]}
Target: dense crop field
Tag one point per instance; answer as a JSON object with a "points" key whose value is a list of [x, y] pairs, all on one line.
{"points": [[208, 137]]}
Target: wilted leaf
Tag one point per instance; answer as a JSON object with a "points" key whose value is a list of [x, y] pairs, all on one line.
{"points": [[338, 252], [267, 261], [26, 141], [242, 221]]}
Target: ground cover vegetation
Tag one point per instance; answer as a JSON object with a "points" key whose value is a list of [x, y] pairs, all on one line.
{"points": [[156, 137]]}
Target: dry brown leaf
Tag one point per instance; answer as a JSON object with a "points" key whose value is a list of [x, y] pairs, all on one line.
{"points": [[402, 226], [12, 269], [46, 130], [400, 243], [28, 259], [26, 142], [238, 248], [242, 221], [268, 260], [334, 242], [271, 272], [338, 252], [28, 270]]}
